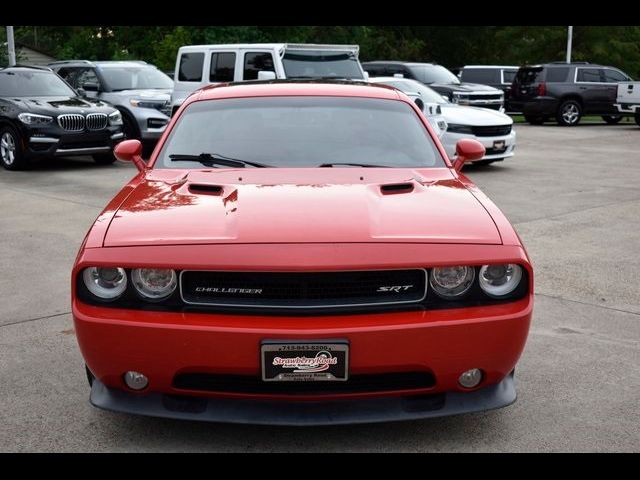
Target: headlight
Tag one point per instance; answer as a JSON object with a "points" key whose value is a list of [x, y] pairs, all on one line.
{"points": [[147, 103], [461, 99], [456, 128], [154, 284], [34, 119], [115, 118], [106, 283], [451, 282], [499, 280]]}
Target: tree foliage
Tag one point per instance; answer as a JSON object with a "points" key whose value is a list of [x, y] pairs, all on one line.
{"points": [[451, 46]]}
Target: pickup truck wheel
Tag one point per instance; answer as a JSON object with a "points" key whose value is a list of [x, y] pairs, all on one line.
{"points": [[11, 151], [534, 120], [569, 113], [104, 158], [612, 119], [637, 117]]}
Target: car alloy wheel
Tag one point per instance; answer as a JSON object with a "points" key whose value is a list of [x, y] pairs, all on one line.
{"points": [[8, 149], [570, 113]]}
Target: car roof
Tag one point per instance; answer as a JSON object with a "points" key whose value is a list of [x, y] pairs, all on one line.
{"points": [[26, 67], [491, 66], [97, 63], [276, 88], [395, 62]]}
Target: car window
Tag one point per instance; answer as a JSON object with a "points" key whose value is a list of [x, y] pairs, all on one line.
{"points": [[588, 75], [529, 75], [223, 67], [302, 131], [557, 74], [614, 76], [191, 67], [70, 75], [118, 77], [508, 76], [481, 75], [321, 64], [433, 74], [412, 86], [255, 62], [87, 75], [33, 83]]}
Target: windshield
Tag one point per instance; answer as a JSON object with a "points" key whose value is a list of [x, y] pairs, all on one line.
{"points": [[302, 132], [33, 83], [411, 86], [118, 77], [325, 64], [434, 74]]}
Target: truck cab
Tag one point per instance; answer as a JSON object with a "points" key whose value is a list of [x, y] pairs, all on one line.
{"points": [[201, 65]]}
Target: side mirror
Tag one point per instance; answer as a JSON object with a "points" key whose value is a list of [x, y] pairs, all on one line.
{"points": [[130, 151], [420, 104], [91, 87], [366, 76], [467, 150], [398, 75], [266, 75], [81, 92]]}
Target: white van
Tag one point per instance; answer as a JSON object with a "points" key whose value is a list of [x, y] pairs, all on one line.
{"points": [[200, 65]]}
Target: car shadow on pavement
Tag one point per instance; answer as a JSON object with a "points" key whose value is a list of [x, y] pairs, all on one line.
{"points": [[70, 164]]}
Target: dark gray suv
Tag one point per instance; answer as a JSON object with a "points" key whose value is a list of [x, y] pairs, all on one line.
{"points": [[566, 92]]}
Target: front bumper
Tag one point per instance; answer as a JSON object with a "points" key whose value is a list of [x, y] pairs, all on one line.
{"points": [[48, 144], [450, 139], [305, 413], [631, 108]]}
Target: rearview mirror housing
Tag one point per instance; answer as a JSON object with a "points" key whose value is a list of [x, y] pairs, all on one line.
{"points": [[130, 151], [266, 75], [467, 150]]}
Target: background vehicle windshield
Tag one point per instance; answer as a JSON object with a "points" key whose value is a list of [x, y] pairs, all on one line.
{"points": [[313, 64], [434, 74], [30, 83], [133, 78], [411, 86], [302, 132]]}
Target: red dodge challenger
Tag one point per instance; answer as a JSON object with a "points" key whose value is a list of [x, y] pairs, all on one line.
{"points": [[301, 253]]}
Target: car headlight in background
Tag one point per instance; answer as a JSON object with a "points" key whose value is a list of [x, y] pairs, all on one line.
{"points": [[158, 104], [115, 118], [457, 128], [154, 284], [34, 119], [451, 282], [106, 283], [461, 99], [499, 280]]}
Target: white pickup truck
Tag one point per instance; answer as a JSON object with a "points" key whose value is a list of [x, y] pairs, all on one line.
{"points": [[628, 99]]}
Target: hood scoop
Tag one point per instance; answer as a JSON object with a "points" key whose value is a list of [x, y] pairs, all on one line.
{"points": [[205, 189], [396, 188]]}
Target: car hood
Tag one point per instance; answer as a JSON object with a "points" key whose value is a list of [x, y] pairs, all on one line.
{"points": [[477, 117], [58, 105], [465, 87], [278, 205], [153, 94]]}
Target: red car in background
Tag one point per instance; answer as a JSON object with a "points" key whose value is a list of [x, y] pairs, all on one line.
{"points": [[301, 253]]}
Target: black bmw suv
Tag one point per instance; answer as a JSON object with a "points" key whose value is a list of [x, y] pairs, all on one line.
{"points": [[42, 116], [566, 92]]}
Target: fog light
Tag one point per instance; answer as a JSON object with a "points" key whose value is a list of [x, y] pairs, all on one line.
{"points": [[135, 380], [470, 378]]}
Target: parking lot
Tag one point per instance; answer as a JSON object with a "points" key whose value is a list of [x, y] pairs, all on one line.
{"points": [[573, 196]]}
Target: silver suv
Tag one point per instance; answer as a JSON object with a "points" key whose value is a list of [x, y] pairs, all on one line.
{"points": [[139, 90]]}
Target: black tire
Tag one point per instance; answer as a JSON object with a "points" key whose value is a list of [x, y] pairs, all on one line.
{"points": [[90, 376], [534, 120], [104, 158], [12, 156], [129, 127], [569, 113], [637, 117], [612, 119]]}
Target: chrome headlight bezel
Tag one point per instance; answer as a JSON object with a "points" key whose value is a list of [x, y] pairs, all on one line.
{"points": [[151, 293], [455, 292], [105, 284], [34, 118], [513, 273]]}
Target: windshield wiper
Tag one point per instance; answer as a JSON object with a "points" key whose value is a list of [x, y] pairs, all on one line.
{"points": [[211, 159], [333, 164]]}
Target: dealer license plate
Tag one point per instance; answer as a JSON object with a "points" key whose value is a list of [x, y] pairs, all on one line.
{"points": [[305, 361], [499, 145]]}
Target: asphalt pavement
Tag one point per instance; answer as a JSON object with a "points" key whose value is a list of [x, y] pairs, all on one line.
{"points": [[573, 194]]}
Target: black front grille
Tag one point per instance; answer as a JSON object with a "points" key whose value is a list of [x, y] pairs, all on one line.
{"points": [[303, 290], [492, 131], [380, 382], [491, 96]]}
